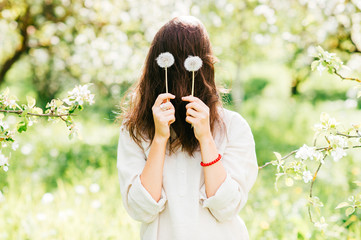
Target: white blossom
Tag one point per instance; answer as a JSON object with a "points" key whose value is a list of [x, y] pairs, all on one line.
{"points": [[319, 156], [6, 168], [330, 59], [321, 68], [165, 60], [74, 130], [79, 95], [96, 204], [15, 146], [331, 123], [11, 103], [338, 153], [305, 152], [62, 110], [337, 141], [193, 63], [307, 176], [4, 125], [47, 198], [322, 225], [297, 167], [94, 188], [65, 214], [53, 104], [318, 127], [41, 217], [3, 159], [27, 148], [327, 123], [80, 189]]}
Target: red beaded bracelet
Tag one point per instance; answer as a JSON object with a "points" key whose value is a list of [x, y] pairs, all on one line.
{"points": [[213, 162]]}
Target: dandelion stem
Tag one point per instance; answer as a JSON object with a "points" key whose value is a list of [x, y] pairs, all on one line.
{"points": [[192, 83], [166, 80]]}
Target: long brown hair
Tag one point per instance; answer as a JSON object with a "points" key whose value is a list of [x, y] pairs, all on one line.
{"points": [[181, 36]]}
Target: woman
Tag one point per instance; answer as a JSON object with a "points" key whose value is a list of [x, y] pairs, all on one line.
{"points": [[165, 136]]}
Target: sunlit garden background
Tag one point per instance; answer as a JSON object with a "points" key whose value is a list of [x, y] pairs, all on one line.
{"points": [[61, 188]]}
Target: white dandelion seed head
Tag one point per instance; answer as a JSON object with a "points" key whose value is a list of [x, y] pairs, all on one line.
{"points": [[193, 63], [165, 60]]}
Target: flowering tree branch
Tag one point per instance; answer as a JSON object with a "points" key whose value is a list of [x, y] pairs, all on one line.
{"points": [[36, 114], [346, 78], [337, 141], [62, 109]]}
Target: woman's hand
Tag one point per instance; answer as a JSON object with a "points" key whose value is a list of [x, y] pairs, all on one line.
{"points": [[163, 118], [198, 116]]}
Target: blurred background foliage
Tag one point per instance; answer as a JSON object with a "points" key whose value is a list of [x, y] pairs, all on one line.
{"points": [[62, 189]]}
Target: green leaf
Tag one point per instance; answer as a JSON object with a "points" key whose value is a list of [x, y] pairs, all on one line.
{"points": [[24, 113], [72, 109], [342, 205], [330, 70], [315, 201], [37, 110], [22, 126], [320, 49], [314, 65], [31, 101], [358, 183], [58, 102], [349, 211], [278, 156]]}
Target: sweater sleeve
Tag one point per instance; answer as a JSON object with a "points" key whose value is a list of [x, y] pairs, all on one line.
{"points": [[136, 199], [240, 162]]}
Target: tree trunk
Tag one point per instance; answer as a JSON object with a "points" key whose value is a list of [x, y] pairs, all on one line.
{"points": [[23, 23]]}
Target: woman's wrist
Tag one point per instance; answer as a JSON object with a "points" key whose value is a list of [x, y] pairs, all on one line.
{"points": [[206, 139], [160, 139]]}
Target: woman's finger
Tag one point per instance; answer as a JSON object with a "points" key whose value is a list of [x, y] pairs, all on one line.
{"points": [[169, 119], [193, 113], [162, 97], [172, 121], [194, 99], [190, 119], [167, 105], [195, 106], [169, 112]]}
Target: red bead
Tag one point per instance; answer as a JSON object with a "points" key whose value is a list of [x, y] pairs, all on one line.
{"points": [[213, 162]]}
